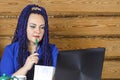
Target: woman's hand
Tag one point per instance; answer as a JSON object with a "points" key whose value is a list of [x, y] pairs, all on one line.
{"points": [[31, 60]]}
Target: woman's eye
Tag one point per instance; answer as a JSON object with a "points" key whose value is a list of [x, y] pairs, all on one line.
{"points": [[32, 26], [43, 27]]}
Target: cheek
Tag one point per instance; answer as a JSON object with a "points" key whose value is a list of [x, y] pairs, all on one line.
{"points": [[41, 35], [29, 33]]}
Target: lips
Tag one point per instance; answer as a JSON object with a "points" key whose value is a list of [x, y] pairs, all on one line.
{"points": [[36, 36]]}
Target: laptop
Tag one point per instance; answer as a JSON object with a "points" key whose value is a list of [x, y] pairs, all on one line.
{"points": [[83, 64]]}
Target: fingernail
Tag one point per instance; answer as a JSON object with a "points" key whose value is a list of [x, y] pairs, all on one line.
{"points": [[36, 54]]}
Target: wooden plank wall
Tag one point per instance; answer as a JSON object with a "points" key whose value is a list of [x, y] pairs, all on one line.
{"points": [[74, 24]]}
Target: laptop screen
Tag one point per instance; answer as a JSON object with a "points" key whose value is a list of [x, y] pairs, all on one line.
{"points": [[83, 64]]}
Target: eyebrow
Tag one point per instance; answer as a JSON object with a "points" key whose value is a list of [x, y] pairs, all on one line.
{"points": [[32, 24], [42, 25], [35, 24]]}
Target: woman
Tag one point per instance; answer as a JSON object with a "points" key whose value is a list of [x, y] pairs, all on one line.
{"points": [[20, 56]]}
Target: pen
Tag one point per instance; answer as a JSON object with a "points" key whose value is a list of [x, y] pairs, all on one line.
{"points": [[36, 43]]}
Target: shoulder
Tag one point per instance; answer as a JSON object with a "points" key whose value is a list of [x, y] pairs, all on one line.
{"points": [[53, 47], [12, 46], [9, 56], [54, 50]]}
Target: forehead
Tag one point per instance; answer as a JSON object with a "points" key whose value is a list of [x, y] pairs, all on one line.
{"points": [[36, 18]]}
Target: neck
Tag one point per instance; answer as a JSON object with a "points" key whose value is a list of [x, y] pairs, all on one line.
{"points": [[32, 47]]}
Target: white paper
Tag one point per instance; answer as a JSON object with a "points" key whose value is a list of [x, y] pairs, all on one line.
{"points": [[44, 72]]}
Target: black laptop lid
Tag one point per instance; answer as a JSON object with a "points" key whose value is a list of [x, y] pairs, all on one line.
{"points": [[83, 64]]}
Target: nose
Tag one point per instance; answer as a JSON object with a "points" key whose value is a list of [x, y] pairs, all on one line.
{"points": [[37, 30]]}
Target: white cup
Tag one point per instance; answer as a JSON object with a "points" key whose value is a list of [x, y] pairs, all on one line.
{"points": [[21, 77]]}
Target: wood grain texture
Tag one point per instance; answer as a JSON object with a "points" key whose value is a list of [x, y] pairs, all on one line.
{"points": [[7, 26], [85, 26], [107, 26], [111, 70], [111, 45], [61, 6]]}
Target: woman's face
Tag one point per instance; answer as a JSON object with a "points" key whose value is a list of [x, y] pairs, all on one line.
{"points": [[35, 27]]}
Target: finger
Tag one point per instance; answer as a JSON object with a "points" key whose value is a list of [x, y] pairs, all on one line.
{"points": [[35, 58], [34, 61], [33, 55], [36, 54]]}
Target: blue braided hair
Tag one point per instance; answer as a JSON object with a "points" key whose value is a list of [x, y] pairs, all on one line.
{"points": [[20, 35]]}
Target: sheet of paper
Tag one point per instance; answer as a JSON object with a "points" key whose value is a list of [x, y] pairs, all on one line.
{"points": [[44, 72]]}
